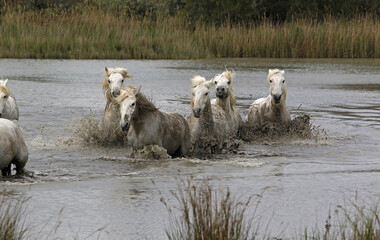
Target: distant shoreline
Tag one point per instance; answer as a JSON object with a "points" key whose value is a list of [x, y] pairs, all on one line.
{"points": [[95, 34]]}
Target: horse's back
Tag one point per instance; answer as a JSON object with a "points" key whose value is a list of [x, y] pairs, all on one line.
{"points": [[256, 110]]}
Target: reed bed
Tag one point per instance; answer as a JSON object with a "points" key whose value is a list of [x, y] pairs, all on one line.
{"points": [[12, 225], [203, 212], [96, 34]]}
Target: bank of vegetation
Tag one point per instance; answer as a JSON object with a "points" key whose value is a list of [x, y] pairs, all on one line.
{"points": [[187, 29]]}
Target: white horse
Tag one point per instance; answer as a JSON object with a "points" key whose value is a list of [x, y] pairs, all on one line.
{"points": [[225, 98], [8, 105], [272, 108], [12, 148], [146, 125], [112, 84], [206, 119]]}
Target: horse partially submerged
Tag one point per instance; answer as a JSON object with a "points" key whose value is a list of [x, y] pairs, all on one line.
{"points": [[12, 148], [112, 84], [225, 98], [206, 119], [8, 105], [146, 125], [272, 108]]}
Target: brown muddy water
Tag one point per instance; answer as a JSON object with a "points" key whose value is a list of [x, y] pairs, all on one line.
{"points": [[97, 192]]}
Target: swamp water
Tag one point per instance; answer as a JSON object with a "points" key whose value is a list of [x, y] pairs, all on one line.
{"points": [[96, 192]]}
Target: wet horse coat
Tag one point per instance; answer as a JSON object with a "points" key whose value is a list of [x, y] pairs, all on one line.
{"points": [[225, 98], [112, 84], [12, 147], [146, 125], [8, 105], [206, 119], [272, 108]]}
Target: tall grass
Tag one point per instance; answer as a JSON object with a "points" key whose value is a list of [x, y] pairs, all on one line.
{"points": [[95, 34], [361, 223], [205, 213], [12, 226]]}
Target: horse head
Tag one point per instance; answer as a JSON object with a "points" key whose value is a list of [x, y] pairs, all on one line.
{"points": [[114, 80], [128, 102], [4, 95], [277, 85], [223, 84], [199, 94]]}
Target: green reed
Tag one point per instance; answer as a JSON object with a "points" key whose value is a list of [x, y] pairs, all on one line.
{"points": [[96, 34]]}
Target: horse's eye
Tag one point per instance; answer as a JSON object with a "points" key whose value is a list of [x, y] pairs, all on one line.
{"points": [[283, 81], [216, 82], [270, 81], [122, 80], [229, 82], [5, 97], [109, 81], [133, 104], [206, 93]]}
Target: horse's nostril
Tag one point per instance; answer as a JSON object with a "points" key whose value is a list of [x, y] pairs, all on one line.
{"points": [[277, 97], [220, 89]]}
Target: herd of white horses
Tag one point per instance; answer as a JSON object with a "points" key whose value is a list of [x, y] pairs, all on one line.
{"points": [[146, 125]]}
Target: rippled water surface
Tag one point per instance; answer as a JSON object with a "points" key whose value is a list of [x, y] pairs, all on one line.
{"points": [[101, 192]]}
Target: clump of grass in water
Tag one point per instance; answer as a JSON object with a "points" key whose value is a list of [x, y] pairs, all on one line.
{"points": [[208, 214], [91, 131], [12, 226], [359, 224], [299, 128]]}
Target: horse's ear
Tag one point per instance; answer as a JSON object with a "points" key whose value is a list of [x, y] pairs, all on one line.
{"points": [[270, 71], [125, 74], [107, 72], [138, 90], [208, 83], [282, 72], [6, 82]]}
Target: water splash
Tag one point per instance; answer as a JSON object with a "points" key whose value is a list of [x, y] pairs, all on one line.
{"points": [[300, 128], [150, 152], [92, 132]]}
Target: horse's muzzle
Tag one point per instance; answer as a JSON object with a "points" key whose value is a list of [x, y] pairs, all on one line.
{"points": [[277, 98], [115, 93], [222, 92], [124, 126], [197, 112]]}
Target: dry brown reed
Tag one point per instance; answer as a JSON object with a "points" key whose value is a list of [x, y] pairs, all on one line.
{"points": [[206, 213], [96, 34], [12, 225]]}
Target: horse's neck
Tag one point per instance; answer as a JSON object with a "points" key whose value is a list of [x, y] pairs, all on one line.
{"points": [[278, 110], [206, 119], [225, 104], [139, 117]]}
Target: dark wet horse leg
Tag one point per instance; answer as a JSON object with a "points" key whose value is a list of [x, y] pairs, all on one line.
{"points": [[7, 170]]}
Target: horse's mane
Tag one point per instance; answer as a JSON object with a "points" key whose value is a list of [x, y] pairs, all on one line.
{"points": [[5, 90], [230, 75], [273, 72], [142, 102], [196, 81]]}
